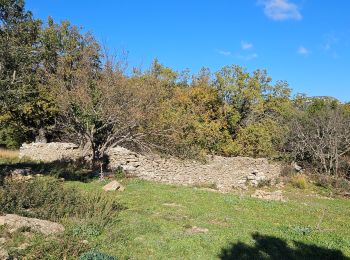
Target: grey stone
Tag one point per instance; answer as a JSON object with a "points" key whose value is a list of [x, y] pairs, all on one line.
{"points": [[14, 222], [113, 186]]}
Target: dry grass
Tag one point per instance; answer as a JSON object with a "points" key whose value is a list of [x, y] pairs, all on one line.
{"points": [[299, 181], [8, 154]]}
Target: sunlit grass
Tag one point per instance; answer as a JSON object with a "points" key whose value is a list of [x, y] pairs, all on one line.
{"points": [[8, 154]]}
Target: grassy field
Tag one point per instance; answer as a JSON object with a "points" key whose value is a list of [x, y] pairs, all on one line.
{"points": [[159, 219], [170, 222]]}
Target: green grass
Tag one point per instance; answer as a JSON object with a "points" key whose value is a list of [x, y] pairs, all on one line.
{"points": [[156, 222]]}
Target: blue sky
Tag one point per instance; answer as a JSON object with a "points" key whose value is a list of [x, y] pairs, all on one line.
{"points": [[306, 42]]}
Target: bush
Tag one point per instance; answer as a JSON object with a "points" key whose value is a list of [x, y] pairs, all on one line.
{"points": [[47, 198], [120, 173], [96, 255], [340, 185], [299, 181], [41, 247]]}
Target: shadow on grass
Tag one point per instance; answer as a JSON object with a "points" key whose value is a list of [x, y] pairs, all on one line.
{"points": [[269, 247], [77, 170]]}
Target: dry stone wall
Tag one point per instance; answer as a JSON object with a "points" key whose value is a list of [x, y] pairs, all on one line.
{"points": [[223, 173], [49, 152]]}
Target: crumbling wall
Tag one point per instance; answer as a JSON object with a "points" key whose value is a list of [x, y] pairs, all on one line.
{"points": [[49, 152], [223, 173]]}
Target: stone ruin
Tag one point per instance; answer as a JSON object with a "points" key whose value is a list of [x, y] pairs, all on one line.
{"points": [[49, 152], [221, 173]]}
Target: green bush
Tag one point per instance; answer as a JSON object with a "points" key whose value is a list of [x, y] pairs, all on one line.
{"points": [[43, 247], [96, 255], [120, 173], [48, 198]]}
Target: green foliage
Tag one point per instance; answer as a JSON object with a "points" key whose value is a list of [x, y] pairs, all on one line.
{"points": [[43, 247], [259, 139], [120, 173], [24, 101], [47, 198], [95, 255]]}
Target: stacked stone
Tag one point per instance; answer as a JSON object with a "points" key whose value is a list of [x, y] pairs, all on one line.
{"points": [[49, 152], [226, 173], [124, 158]]}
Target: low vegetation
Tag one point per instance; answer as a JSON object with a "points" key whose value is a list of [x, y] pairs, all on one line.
{"points": [[166, 222]]}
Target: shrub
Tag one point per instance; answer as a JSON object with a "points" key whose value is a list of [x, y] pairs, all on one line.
{"points": [[95, 255], [41, 247], [120, 173], [287, 170], [299, 181], [340, 185], [47, 198]]}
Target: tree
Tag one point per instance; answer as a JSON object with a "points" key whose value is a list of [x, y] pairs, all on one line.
{"points": [[103, 108], [25, 104], [255, 110], [321, 135]]}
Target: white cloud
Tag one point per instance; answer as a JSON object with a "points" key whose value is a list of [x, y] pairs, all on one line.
{"points": [[224, 53], [246, 45], [250, 56], [280, 10], [243, 56], [303, 51]]}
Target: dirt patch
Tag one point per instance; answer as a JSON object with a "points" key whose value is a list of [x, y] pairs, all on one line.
{"points": [[196, 230], [265, 195]]}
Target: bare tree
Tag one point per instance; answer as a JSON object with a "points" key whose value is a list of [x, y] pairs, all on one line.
{"points": [[322, 138]]}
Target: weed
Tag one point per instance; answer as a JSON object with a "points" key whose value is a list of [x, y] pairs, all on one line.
{"points": [[299, 181]]}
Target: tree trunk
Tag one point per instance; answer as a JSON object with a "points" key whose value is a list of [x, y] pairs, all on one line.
{"points": [[41, 137]]}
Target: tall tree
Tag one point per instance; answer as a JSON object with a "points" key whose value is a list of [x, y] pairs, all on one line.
{"points": [[25, 107]]}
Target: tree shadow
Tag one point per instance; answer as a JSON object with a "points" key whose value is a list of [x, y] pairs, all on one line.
{"points": [[76, 170], [273, 248]]}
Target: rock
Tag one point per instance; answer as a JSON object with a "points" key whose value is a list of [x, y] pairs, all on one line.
{"points": [[4, 254], [23, 246], [21, 174], [129, 168], [113, 186], [197, 230], [49, 152], [297, 167], [226, 172], [14, 222], [276, 195]]}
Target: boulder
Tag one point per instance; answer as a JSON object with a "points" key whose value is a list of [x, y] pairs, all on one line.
{"points": [[113, 186], [21, 174], [14, 222]]}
